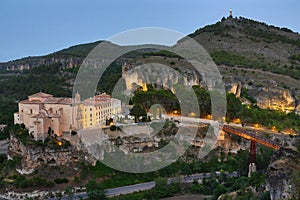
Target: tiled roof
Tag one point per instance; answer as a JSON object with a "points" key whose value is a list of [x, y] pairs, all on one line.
{"points": [[98, 99], [51, 100], [40, 95]]}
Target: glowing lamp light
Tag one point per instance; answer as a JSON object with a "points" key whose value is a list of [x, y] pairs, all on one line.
{"points": [[59, 143], [256, 125], [237, 121], [144, 87], [111, 123], [209, 117]]}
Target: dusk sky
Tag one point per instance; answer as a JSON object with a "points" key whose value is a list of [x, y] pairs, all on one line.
{"points": [[39, 27]]}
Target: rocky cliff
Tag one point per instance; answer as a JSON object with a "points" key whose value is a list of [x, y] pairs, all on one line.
{"points": [[36, 156], [283, 174]]}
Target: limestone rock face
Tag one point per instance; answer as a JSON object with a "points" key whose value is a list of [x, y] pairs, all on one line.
{"points": [[234, 88], [275, 99], [158, 74], [283, 173], [34, 156]]}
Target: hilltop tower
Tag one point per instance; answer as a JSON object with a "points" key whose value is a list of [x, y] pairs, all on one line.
{"points": [[230, 13]]}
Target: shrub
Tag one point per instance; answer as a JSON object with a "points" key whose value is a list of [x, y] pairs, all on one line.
{"points": [[113, 128], [61, 180]]}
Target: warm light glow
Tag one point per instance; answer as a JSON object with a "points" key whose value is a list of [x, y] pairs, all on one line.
{"points": [[290, 131], [256, 125], [175, 111], [248, 107], [274, 128], [209, 117], [144, 87], [192, 114], [237, 120], [111, 123], [59, 143]]}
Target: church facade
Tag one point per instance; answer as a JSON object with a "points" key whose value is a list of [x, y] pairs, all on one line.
{"points": [[43, 113]]}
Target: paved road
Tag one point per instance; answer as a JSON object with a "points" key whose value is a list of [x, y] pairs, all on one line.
{"points": [[149, 185]]}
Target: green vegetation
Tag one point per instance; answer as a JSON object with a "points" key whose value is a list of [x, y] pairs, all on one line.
{"points": [[95, 191], [51, 141], [237, 60], [163, 53], [156, 96], [235, 109], [61, 180], [50, 79], [295, 57], [81, 50], [23, 182], [5, 133], [251, 31], [213, 187], [138, 111]]}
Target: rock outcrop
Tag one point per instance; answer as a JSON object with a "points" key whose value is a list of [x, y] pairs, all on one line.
{"points": [[275, 99], [30, 62], [283, 174], [36, 156]]}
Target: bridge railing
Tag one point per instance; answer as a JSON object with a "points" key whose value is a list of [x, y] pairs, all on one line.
{"points": [[251, 136]]}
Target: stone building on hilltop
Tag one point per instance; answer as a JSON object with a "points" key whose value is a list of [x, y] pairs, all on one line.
{"points": [[42, 113]]}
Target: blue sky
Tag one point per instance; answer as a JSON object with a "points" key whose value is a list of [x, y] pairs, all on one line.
{"points": [[38, 27]]}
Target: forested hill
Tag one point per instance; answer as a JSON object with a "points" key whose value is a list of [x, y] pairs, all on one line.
{"points": [[247, 43]]}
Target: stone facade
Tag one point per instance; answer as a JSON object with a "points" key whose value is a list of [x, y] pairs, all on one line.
{"points": [[99, 108], [42, 112]]}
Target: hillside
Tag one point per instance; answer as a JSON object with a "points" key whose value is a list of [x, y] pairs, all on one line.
{"points": [[258, 62], [231, 41], [69, 57], [247, 43]]}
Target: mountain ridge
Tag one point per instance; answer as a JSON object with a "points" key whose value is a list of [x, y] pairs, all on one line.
{"points": [[243, 40]]}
